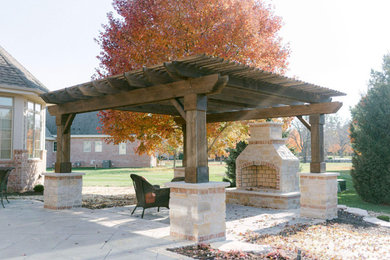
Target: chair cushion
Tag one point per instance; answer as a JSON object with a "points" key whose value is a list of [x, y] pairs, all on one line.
{"points": [[150, 197]]}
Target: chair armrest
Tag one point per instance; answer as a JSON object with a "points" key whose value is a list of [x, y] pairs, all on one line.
{"points": [[162, 192]]}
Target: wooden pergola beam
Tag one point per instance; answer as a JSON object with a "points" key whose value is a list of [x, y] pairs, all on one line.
{"points": [[273, 90], [204, 85], [304, 122], [179, 107], [273, 112]]}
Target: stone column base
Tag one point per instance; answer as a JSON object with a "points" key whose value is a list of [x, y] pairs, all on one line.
{"points": [[319, 195], [197, 211], [63, 190]]}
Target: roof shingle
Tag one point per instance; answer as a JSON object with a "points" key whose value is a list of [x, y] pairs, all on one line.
{"points": [[12, 73]]}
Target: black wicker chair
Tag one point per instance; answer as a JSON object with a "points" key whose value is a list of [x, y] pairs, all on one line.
{"points": [[4, 174], [148, 195]]}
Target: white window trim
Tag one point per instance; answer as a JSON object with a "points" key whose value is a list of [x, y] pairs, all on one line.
{"points": [[101, 146], [121, 151], [90, 147], [12, 128]]}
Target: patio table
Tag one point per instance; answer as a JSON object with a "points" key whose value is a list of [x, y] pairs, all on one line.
{"points": [[4, 173]]}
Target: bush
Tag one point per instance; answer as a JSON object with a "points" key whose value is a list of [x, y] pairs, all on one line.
{"points": [[231, 162], [39, 188], [371, 140], [384, 218]]}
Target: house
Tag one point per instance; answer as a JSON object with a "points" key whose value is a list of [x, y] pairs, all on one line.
{"points": [[88, 146], [22, 117]]}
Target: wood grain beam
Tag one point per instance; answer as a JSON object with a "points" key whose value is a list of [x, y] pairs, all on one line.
{"points": [[156, 77], [205, 85], [262, 87], [304, 122], [136, 81], [179, 107], [273, 112]]}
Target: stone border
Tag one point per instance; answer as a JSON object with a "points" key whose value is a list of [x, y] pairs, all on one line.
{"points": [[197, 186]]}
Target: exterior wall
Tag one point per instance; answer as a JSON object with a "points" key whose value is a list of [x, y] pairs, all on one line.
{"points": [[27, 173], [109, 152]]}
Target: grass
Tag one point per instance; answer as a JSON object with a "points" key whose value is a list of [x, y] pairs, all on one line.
{"points": [[119, 177]]}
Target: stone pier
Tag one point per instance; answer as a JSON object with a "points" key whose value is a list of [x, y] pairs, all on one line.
{"points": [[197, 211], [63, 190], [319, 195]]}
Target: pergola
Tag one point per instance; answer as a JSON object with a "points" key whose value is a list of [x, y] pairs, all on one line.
{"points": [[198, 90]]}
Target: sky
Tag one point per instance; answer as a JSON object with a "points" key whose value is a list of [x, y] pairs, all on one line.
{"points": [[333, 43]]}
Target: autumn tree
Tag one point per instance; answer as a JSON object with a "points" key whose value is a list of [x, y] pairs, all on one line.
{"points": [[299, 139], [148, 32], [336, 134]]}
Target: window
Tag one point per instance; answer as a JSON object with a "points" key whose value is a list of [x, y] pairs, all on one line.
{"points": [[34, 129], [87, 146], [6, 107], [54, 146], [98, 146], [122, 148]]}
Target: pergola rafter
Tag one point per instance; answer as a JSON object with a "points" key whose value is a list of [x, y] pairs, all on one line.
{"points": [[196, 89]]}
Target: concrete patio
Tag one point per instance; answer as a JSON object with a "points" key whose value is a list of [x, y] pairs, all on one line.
{"points": [[28, 231]]}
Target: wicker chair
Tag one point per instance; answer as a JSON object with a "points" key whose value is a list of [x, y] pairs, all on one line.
{"points": [[4, 174], [148, 195]]}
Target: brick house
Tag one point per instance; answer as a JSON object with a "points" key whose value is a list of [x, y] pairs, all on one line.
{"points": [[22, 131], [88, 148]]}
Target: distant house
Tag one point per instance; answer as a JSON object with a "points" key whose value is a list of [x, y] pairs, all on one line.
{"points": [[88, 148], [22, 117]]}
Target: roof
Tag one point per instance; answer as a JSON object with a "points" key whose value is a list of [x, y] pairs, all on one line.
{"points": [[244, 88], [83, 124], [12, 73]]}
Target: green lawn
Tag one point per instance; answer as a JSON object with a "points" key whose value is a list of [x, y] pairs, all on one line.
{"points": [[119, 177]]}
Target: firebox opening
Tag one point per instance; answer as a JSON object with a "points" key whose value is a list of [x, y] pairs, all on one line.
{"points": [[256, 177]]}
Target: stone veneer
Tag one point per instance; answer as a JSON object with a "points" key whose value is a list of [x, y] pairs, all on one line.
{"points": [[27, 173], [197, 211], [319, 195], [63, 190]]}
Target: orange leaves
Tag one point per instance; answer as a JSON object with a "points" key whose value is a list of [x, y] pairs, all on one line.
{"points": [[149, 32], [154, 31]]}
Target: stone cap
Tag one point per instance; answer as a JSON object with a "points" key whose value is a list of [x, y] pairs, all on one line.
{"points": [[70, 174], [265, 131], [198, 186], [319, 175]]}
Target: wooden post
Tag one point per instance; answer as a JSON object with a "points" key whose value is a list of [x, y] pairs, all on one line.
{"points": [[63, 164], [196, 170], [317, 164], [183, 128]]}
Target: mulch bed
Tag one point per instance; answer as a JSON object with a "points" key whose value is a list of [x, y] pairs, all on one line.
{"points": [[347, 237], [107, 201], [204, 251]]}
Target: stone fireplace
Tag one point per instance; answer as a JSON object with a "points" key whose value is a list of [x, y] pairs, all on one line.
{"points": [[266, 171]]}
